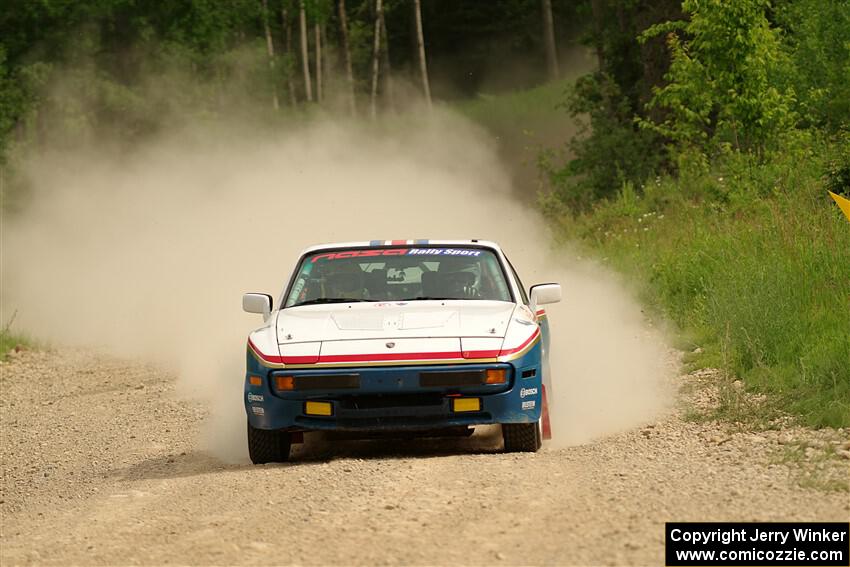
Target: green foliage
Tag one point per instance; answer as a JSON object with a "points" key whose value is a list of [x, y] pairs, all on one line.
{"points": [[837, 178], [502, 114], [13, 100], [608, 150], [750, 260], [818, 39], [721, 85], [10, 340]]}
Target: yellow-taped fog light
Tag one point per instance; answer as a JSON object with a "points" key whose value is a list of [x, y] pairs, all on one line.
{"points": [[466, 404], [318, 408], [496, 376]]}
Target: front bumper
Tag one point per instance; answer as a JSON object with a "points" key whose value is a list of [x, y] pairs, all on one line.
{"points": [[394, 398]]}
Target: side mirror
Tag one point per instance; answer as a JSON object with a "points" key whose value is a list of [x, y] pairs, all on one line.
{"points": [[541, 294], [257, 303]]}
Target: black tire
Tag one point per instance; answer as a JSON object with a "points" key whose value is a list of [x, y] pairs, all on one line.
{"points": [[268, 446], [522, 437]]}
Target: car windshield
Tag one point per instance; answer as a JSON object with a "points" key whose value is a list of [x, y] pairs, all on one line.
{"points": [[398, 274]]}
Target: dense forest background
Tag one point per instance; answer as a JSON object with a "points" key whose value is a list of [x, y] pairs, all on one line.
{"points": [[93, 68], [709, 132]]}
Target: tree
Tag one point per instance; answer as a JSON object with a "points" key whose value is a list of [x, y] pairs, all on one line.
{"points": [[720, 89], [286, 24], [818, 39], [420, 44], [549, 40], [305, 56], [376, 48], [318, 33], [270, 50], [346, 53], [385, 61]]}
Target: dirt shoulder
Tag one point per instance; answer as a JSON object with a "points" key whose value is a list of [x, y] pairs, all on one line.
{"points": [[100, 466]]}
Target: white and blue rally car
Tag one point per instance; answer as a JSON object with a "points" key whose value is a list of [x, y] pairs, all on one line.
{"points": [[425, 337]]}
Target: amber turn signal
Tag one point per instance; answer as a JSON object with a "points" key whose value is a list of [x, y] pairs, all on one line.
{"points": [[285, 382], [255, 380], [496, 376]]}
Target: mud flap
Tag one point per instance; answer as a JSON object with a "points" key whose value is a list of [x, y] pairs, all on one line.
{"points": [[544, 417]]}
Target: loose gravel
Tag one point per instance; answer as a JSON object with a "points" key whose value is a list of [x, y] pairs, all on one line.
{"points": [[101, 466]]}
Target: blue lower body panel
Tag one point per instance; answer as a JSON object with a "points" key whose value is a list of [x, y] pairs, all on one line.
{"points": [[374, 398]]}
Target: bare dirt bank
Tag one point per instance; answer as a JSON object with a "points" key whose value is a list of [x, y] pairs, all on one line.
{"points": [[101, 465]]}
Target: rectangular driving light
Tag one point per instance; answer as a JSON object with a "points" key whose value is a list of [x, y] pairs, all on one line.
{"points": [[318, 408], [466, 404], [496, 376]]}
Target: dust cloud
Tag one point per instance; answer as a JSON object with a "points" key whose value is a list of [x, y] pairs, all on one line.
{"points": [[147, 254]]}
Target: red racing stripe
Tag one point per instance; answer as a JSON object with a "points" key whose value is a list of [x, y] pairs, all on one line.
{"points": [[266, 357], [395, 356], [503, 352], [389, 356], [533, 336], [281, 359]]}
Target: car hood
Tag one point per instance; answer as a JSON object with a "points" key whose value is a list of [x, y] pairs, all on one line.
{"points": [[413, 319]]}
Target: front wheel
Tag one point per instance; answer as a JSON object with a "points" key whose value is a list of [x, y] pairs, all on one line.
{"points": [[521, 437], [268, 446]]}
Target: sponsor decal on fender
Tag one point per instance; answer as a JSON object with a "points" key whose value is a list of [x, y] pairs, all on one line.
{"points": [[529, 405], [525, 392], [255, 398]]}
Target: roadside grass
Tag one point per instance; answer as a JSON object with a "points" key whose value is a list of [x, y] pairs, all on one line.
{"points": [[817, 468], [11, 340], [751, 262], [502, 113], [748, 259]]}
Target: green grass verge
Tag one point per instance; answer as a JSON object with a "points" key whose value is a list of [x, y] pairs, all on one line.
{"points": [[751, 261], [9, 341], [503, 112]]}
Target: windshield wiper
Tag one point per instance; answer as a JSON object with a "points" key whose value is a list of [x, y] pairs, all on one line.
{"points": [[428, 298], [320, 300]]}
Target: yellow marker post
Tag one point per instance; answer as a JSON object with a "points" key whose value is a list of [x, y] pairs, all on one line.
{"points": [[843, 203]]}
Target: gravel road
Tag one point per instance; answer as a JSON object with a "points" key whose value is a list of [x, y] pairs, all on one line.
{"points": [[101, 466]]}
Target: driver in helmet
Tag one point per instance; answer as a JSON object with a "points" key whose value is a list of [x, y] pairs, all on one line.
{"points": [[458, 276], [344, 280]]}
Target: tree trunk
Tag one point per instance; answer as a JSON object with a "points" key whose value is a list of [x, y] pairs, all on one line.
{"points": [[420, 44], [270, 49], [385, 63], [318, 33], [346, 50], [376, 52], [290, 66], [305, 57], [598, 11], [549, 40]]}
